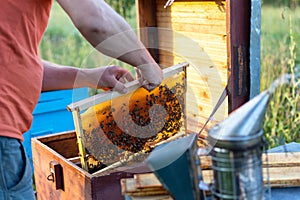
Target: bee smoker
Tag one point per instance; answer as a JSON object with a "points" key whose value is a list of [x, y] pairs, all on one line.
{"points": [[177, 166], [236, 150]]}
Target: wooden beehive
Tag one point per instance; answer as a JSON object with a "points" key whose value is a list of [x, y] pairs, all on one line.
{"points": [[214, 38], [58, 174]]}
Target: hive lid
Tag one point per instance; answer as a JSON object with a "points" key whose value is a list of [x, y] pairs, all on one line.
{"points": [[242, 129]]}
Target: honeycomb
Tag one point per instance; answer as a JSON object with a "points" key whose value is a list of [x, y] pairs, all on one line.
{"points": [[135, 122]]}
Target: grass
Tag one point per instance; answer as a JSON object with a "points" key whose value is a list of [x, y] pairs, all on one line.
{"points": [[280, 45], [280, 53]]}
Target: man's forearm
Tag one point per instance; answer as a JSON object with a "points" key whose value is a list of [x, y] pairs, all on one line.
{"points": [[107, 31], [65, 77], [110, 34], [58, 77]]}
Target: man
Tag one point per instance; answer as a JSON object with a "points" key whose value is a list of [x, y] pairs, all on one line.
{"points": [[23, 74]]}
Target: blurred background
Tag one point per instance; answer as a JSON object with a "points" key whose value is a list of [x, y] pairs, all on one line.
{"points": [[280, 53]]}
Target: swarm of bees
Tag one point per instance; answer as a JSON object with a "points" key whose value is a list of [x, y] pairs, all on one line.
{"points": [[134, 122]]}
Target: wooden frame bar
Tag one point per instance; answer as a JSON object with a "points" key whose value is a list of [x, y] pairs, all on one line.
{"points": [[238, 30], [79, 134], [146, 18], [131, 86], [84, 104]]}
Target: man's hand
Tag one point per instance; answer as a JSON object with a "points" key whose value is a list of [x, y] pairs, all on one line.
{"points": [[149, 75], [58, 77], [111, 77]]}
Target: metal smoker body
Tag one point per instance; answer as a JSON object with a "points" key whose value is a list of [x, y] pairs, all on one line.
{"points": [[236, 150]]}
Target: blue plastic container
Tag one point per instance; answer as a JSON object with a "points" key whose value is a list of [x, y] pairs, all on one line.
{"points": [[51, 114]]}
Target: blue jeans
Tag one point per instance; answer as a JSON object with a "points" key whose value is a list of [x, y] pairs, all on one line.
{"points": [[15, 171]]}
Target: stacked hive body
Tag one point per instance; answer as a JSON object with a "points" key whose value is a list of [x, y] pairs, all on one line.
{"points": [[193, 32], [220, 41]]}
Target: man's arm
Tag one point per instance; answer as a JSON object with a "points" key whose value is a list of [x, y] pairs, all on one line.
{"points": [[58, 77], [109, 33]]}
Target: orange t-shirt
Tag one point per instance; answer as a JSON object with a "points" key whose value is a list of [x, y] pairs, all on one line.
{"points": [[22, 24]]}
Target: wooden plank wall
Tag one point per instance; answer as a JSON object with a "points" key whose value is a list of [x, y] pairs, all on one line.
{"points": [[195, 32]]}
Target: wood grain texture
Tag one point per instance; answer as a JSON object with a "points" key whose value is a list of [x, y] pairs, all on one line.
{"points": [[145, 14], [78, 183], [283, 171], [195, 32]]}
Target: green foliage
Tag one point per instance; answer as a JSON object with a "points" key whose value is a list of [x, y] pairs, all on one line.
{"points": [[123, 7], [62, 43], [60, 47], [289, 3], [279, 50]]}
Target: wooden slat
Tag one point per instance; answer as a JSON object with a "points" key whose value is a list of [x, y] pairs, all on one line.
{"points": [[192, 15], [203, 28], [196, 33], [84, 104], [192, 6], [155, 197], [290, 159], [145, 13], [283, 171], [206, 62], [129, 186], [239, 13], [145, 181], [287, 177], [57, 137], [66, 142]]}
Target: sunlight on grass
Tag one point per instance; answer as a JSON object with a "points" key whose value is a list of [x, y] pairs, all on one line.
{"points": [[280, 41]]}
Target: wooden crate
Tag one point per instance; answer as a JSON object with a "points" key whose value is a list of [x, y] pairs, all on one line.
{"points": [[72, 182], [214, 38], [280, 170]]}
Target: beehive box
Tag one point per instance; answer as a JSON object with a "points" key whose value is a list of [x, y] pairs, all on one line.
{"points": [[219, 39], [58, 174]]}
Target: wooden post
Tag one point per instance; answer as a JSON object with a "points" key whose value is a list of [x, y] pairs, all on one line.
{"points": [[238, 29], [147, 26]]}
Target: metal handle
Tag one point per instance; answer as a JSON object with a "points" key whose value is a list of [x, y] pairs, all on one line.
{"points": [[56, 175]]}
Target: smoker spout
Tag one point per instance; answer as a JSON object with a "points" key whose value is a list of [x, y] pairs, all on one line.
{"points": [[242, 126]]}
